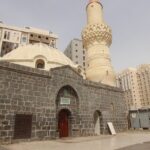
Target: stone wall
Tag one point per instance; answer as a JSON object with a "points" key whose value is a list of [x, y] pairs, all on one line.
{"points": [[26, 90]]}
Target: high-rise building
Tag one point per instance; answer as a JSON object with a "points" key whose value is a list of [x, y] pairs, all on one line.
{"points": [[143, 78], [13, 37], [97, 38], [127, 80], [135, 83], [76, 52]]}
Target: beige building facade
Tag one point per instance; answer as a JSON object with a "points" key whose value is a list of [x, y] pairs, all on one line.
{"points": [[76, 52], [143, 77], [13, 37], [135, 83], [127, 80], [97, 38]]}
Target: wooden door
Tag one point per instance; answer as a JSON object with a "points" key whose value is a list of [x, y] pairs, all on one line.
{"points": [[23, 126], [63, 124]]}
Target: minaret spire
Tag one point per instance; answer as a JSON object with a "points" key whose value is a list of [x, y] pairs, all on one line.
{"points": [[90, 1], [97, 38]]}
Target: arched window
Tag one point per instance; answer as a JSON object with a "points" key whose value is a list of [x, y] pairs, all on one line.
{"points": [[40, 64]]}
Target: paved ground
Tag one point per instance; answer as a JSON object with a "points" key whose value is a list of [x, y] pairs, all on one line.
{"points": [[1, 148], [144, 146], [120, 142]]}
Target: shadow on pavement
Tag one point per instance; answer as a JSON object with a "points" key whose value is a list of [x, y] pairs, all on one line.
{"points": [[143, 146]]}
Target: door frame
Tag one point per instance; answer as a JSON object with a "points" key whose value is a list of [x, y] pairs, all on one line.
{"points": [[68, 113]]}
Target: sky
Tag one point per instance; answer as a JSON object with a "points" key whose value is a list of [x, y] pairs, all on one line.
{"points": [[129, 20]]}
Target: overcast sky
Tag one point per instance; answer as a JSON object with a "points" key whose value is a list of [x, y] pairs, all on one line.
{"points": [[129, 20]]}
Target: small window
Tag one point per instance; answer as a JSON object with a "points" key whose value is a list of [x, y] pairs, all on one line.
{"points": [[7, 35], [39, 37], [24, 39], [40, 64]]}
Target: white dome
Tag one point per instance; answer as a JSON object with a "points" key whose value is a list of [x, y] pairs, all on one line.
{"points": [[28, 55]]}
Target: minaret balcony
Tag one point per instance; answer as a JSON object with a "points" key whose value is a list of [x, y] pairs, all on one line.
{"points": [[96, 33]]}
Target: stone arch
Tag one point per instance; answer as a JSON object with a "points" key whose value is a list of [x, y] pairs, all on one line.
{"points": [[98, 122], [67, 99], [67, 86]]}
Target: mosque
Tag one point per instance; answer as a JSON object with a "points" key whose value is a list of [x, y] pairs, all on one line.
{"points": [[44, 95]]}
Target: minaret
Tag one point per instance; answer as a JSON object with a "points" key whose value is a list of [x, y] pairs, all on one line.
{"points": [[97, 38]]}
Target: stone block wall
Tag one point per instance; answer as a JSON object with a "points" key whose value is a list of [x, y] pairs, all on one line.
{"points": [[31, 91]]}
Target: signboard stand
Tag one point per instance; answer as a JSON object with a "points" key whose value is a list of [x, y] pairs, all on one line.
{"points": [[111, 128]]}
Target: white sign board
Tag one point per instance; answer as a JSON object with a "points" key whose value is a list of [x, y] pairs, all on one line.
{"points": [[111, 128], [64, 101]]}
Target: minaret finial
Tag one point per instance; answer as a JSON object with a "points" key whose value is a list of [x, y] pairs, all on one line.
{"points": [[91, 1]]}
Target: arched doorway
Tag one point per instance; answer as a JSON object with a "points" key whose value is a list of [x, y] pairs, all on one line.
{"points": [[97, 123], [67, 106], [64, 123]]}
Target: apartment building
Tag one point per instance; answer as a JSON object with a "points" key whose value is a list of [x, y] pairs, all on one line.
{"points": [[13, 37], [127, 80], [76, 52], [135, 83], [143, 77]]}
